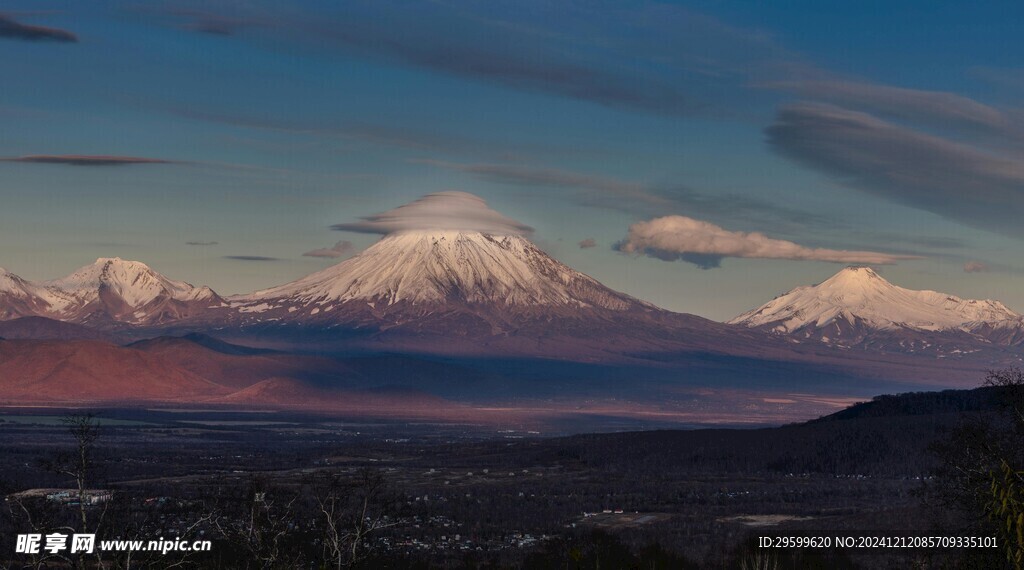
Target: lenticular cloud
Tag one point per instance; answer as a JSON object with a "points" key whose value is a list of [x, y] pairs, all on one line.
{"points": [[673, 238], [440, 211]]}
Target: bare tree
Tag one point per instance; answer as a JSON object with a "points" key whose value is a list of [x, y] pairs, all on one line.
{"points": [[43, 515], [351, 509], [85, 430], [259, 523]]}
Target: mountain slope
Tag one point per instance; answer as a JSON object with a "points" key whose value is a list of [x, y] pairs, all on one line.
{"points": [[441, 268], [90, 371], [858, 307], [18, 297]]}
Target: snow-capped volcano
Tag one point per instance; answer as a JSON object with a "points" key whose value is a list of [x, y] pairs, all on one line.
{"points": [[111, 290], [852, 305], [441, 270], [446, 260]]}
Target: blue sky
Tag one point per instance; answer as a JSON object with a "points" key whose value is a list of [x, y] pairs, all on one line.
{"points": [[890, 129]]}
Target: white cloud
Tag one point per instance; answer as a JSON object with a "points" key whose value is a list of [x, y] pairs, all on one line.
{"points": [[672, 238], [440, 211]]}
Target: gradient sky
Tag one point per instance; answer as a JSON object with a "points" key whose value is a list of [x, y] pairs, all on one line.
{"points": [[236, 133]]}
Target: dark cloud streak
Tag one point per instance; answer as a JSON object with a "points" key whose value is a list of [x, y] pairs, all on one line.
{"points": [[962, 183], [540, 74], [339, 249], [381, 135], [87, 160], [935, 108], [649, 58], [12, 29], [250, 258]]}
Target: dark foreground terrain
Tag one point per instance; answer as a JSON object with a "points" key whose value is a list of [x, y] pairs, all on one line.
{"points": [[274, 490]]}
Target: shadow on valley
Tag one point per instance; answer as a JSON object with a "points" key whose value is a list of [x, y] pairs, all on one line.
{"points": [[645, 391]]}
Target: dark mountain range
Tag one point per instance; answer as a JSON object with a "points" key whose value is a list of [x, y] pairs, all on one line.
{"points": [[44, 328]]}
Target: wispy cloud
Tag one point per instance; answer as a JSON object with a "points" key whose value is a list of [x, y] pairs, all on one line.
{"points": [[935, 108], [482, 61], [339, 249], [439, 211], [251, 258], [645, 199], [1009, 79], [393, 137], [212, 23], [519, 175], [960, 182], [672, 238], [587, 243], [87, 160], [433, 140], [649, 57], [12, 29], [452, 41], [214, 26], [917, 241], [974, 266]]}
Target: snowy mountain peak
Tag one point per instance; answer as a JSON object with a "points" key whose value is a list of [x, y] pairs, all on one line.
{"points": [[856, 275], [109, 290], [443, 269], [132, 281], [12, 284], [118, 264], [18, 297], [857, 300], [856, 284]]}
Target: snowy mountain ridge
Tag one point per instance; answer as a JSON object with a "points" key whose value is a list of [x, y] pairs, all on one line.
{"points": [[133, 281], [108, 290], [475, 285], [857, 301]]}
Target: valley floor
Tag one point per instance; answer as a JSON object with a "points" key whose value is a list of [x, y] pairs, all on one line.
{"points": [[470, 495]]}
